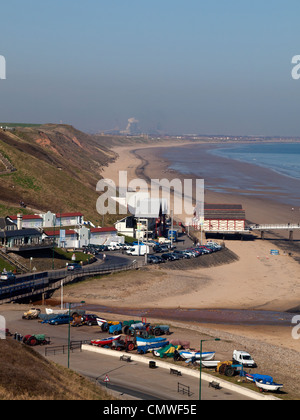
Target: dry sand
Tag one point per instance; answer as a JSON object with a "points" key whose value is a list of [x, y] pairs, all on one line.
{"points": [[256, 281]]}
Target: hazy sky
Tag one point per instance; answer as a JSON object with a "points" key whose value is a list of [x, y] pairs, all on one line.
{"points": [[181, 66]]}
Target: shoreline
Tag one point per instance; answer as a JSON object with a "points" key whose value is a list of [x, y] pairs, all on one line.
{"points": [[256, 271], [260, 208]]}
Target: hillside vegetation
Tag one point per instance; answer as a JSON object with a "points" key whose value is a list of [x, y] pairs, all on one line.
{"points": [[57, 169], [26, 375]]}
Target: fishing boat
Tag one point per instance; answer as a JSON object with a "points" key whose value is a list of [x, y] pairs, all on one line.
{"points": [[265, 385], [252, 377], [166, 351], [100, 321], [50, 311], [209, 355], [208, 363], [140, 341], [105, 341], [151, 347]]}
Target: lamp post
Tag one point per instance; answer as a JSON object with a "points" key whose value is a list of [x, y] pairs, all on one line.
{"points": [[53, 246], [201, 341]]}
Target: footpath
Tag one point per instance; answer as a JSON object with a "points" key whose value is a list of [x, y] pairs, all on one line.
{"points": [[186, 371]]}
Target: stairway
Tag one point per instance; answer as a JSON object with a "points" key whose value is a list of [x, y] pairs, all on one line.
{"points": [[13, 261]]}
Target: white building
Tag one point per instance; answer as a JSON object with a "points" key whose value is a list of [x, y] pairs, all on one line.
{"points": [[31, 221], [63, 238], [61, 219], [104, 236]]}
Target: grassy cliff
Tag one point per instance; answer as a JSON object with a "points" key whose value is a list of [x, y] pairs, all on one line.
{"points": [[56, 168]]}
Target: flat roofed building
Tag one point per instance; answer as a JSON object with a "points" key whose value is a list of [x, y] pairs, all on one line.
{"points": [[229, 218]]}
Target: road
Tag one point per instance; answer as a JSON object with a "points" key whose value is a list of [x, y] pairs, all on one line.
{"points": [[132, 380]]}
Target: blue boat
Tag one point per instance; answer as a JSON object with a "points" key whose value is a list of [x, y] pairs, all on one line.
{"points": [[154, 346], [252, 377], [140, 341]]}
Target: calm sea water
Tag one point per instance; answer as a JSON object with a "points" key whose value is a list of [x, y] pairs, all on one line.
{"points": [[282, 158], [280, 183]]}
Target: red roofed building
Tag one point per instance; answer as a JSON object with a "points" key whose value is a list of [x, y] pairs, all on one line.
{"points": [[104, 235], [28, 221], [63, 238]]}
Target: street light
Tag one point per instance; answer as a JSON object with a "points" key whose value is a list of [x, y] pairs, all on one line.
{"points": [[201, 341]]}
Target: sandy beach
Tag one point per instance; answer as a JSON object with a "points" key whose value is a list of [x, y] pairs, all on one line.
{"points": [[256, 281]]}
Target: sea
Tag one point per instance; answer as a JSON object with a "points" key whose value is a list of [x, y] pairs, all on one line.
{"points": [[281, 160]]}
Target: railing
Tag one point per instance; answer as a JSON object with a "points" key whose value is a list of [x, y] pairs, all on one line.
{"points": [[285, 226], [63, 348], [184, 389], [35, 285]]}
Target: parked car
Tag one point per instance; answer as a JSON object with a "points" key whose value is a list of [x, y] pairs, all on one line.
{"points": [[7, 275], [73, 266], [152, 259], [160, 248], [102, 248], [89, 319], [60, 319], [179, 254]]}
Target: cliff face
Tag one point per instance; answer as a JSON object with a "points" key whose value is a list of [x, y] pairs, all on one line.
{"points": [[56, 168]]}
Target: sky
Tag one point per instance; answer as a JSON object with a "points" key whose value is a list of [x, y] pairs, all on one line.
{"points": [[177, 66]]}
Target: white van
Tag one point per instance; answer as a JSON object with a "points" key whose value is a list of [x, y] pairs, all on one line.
{"points": [[138, 250]]}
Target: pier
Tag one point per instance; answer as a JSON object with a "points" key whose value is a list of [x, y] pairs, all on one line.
{"points": [[269, 227]]}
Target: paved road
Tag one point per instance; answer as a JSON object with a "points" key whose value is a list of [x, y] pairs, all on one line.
{"points": [[134, 379]]}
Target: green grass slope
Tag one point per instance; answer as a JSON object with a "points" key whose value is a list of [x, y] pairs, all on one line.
{"points": [[57, 169]]}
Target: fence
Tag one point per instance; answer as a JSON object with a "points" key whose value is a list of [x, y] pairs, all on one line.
{"points": [[74, 345], [23, 288], [184, 389]]}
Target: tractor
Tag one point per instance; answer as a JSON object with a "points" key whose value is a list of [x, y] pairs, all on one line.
{"points": [[36, 339], [33, 313]]}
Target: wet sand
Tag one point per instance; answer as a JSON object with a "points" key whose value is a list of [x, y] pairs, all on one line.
{"points": [[256, 284], [262, 205]]}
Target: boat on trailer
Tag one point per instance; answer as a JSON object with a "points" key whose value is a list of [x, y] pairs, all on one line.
{"points": [[265, 385], [141, 341], [208, 363], [196, 355], [105, 341]]}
